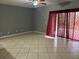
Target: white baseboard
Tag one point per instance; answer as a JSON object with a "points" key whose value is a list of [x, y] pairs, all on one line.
{"points": [[17, 34], [39, 32]]}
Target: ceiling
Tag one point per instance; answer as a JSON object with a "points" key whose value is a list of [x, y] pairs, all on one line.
{"points": [[29, 3]]}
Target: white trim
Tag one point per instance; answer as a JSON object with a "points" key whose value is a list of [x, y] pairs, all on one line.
{"points": [[17, 34], [39, 32], [6, 36]]}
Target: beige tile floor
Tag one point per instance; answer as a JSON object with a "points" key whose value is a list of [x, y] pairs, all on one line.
{"points": [[36, 46]]}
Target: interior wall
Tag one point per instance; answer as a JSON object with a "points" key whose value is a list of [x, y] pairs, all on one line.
{"points": [[41, 14], [41, 17], [19, 19], [15, 19]]}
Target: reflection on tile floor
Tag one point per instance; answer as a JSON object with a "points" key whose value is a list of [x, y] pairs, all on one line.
{"points": [[36, 46]]}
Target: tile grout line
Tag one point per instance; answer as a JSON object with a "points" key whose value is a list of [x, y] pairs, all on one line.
{"points": [[38, 50], [47, 52], [28, 53], [17, 53]]}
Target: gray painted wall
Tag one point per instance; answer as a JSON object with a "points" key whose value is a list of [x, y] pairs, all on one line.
{"points": [[14, 19], [41, 14], [41, 17], [22, 19]]}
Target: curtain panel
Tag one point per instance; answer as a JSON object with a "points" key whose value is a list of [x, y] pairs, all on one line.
{"points": [[67, 24], [51, 28]]}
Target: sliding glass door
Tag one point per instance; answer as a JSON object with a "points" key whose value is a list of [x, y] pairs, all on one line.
{"points": [[67, 25]]}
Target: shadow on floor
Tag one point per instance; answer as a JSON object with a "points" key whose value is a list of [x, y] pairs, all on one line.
{"points": [[4, 54]]}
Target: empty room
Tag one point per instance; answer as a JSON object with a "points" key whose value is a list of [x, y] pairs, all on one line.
{"points": [[39, 29]]}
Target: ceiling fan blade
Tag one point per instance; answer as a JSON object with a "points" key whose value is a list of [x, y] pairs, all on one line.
{"points": [[43, 3], [42, 0]]}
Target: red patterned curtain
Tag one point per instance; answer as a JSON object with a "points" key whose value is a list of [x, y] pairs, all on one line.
{"points": [[51, 24], [74, 26], [67, 25], [71, 25], [61, 25]]}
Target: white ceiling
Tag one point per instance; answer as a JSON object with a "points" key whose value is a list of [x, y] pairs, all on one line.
{"points": [[28, 3]]}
